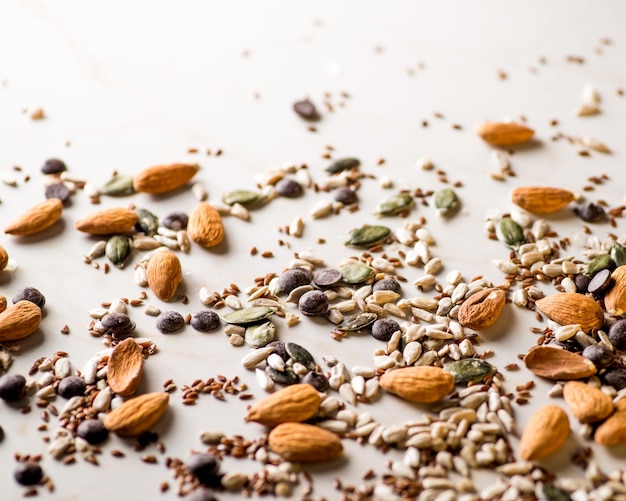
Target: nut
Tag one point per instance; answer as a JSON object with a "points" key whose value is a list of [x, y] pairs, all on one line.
{"points": [[545, 433], [137, 415], [164, 178], [19, 320], [504, 133], [304, 443], [482, 309], [164, 273], [613, 430], [555, 363], [615, 298], [541, 199], [108, 221], [37, 218], [567, 308], [418, 384], [587, 403], [295, 403], [125, 367], [205, 225]]}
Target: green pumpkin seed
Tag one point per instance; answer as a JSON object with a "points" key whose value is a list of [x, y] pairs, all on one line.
{"points": [[599, 263], [356, 273], [446, 201], [552, 493], [470, 370], [394, 205], [357, 322], [258, 336], [286, 377], [366, 236], [618, 254], [509, 232], [117, 249], [343, 164], [118, 186], [242, 197], [300, 355], [248, 316], [148, 223]]}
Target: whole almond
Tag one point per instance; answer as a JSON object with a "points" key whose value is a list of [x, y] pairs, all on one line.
{"points": [[541, 199], [613, 430], [205, 225], [295, 403], [108, 221], [422, 385], [4, 258], [125, 367], [304, 443], [567, 308], [556, 363], [545, 433], [615, 298], [164, 273], [137, 415], [164, 178], [504, 133], [3, 303], [587, 403], [482, 309], [37, 218], [19, 320]]}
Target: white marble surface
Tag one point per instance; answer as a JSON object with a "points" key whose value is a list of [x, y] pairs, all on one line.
{"points": [[128, 85]]}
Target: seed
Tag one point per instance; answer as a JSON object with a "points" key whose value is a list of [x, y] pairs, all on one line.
{"points": [[147, 223], [93, 431], [446, 201], [286, 377], [30, 294], [170, 322], [71, 386], [242, 197], [28, 473], [356, 273], [259, 336], [368, 236], [618, 253], [313, 303], [205, 321], [300, 355], [509, 232], [602, 262], [12, 387], [470, 370], [118, 186], [248, 316], [357, 322], [394, 205]]}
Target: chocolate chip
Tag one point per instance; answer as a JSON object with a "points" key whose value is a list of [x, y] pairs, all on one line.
{"points": [[12, 387], [599, 354], [313, 303], [30, 294], [58, 190], [204, 467], [117, 323], [71, 386], [383, 329], [293, 278], [93, 431], [176, 221], [326, 278], [617, 335], [600, 282], [289, 188], [616, 378], [205, 321], [345, 195], [387, 284], [591, 213], [307, 110], [582, 282], [317, 380], [53, 166], [28, 473], [170, 322]]}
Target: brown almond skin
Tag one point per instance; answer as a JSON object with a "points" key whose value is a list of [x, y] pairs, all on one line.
{"points": [[163, 178], [19, 320], [482, 309], [545, 433], [304, 443], [108, 221], [423, 385], [205, 225], [555, 363], [3, 303], [4, 258], [615, 298], [295, 403], [137, 415], [587, 403], [504, 133], [164, 274], [567, 308], [613, 430], [125, 368], [36, 219], [541, 199]]}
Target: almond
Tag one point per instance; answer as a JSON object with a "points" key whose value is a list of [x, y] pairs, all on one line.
{"points": [[567, 308], [304, 443], [124, 367], [504, 133], [164, 178], [108, 221], [482, 309], [615, 298], [422, 385], [587, 403], [3, 303], [37, 218], [4, 258], [541, 199], [556, 363], [205, 225], [19, 320], [137, 415], [613, 430], [545, 433], [294, 403], [164, 273]]}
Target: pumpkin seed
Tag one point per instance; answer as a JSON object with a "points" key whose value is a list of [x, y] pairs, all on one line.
{"points": [[618, 254], [248, 316], [118, 186], [258, 336], [300, 355], [243, 197], [286, 377], [553, 493], [509, 232], [368, 235], [356, 273], [470, 370], [394, 205], [357, 322], [446, 201], [117, 249], [148, 223], [343, 164], [599, 263]]}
